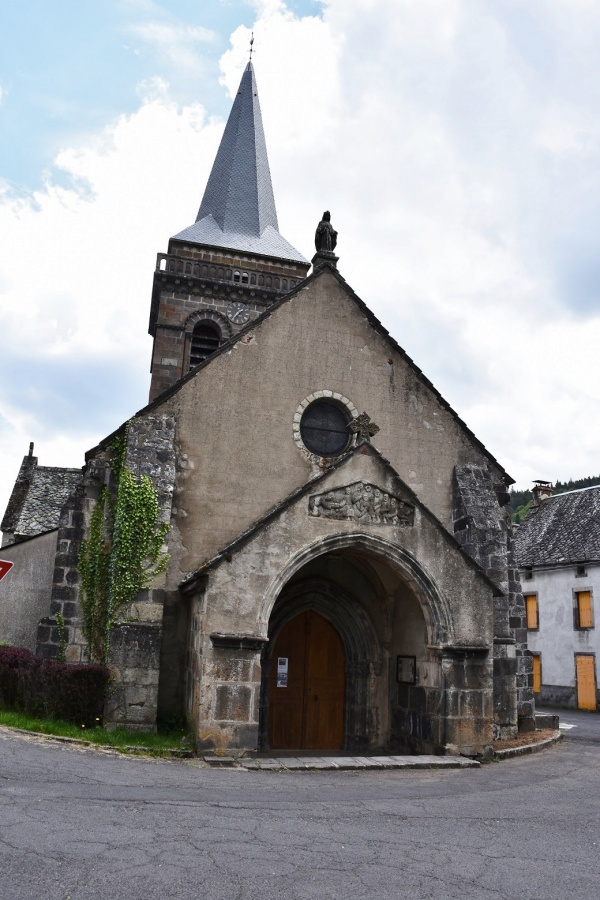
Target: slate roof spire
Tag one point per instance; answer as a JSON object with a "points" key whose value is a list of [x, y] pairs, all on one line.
{"points": [[238, 206], [239, 194]]}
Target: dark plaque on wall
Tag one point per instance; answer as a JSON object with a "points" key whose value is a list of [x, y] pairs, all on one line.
{"points": [[406, 669]]}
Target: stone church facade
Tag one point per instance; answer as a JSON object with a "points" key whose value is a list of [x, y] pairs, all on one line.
{"points": [[341, 572]]}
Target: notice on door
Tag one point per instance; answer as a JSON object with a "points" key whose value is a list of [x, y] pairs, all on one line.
{"points": [[282, 671]]}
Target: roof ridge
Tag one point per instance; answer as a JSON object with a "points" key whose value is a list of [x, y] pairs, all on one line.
{"points": [[590, 487]]}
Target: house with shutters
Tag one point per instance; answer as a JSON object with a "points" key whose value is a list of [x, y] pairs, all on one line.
{"points": [[558, 553], [341, 571]]}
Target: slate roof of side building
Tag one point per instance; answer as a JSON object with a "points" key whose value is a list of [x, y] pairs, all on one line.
{"points": [[38, 497], [564, 529]]}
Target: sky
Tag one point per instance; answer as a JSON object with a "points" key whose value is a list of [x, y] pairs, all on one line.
{"points": [[456, 143]]}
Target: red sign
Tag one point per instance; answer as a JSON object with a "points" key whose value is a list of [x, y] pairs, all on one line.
{"points": [[5, 567]]}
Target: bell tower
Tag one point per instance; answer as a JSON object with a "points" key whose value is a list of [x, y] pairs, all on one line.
{"points": [[232, 263]]}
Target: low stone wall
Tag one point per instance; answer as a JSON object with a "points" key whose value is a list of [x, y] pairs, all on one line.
{"points": [[558, 695]]}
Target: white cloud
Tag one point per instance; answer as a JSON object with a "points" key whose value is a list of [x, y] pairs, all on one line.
{"points": [[175, 44], [457, 150], [461, 171], [75, 279]]}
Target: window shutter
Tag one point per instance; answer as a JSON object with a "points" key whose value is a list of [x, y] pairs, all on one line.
{"points": [[537, 674], [584, 609], [532, 611]]}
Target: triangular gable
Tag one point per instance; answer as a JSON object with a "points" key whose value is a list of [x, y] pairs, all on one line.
{"points": [[242, 335], [316, 487]]}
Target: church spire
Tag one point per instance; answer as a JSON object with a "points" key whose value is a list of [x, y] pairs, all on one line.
{"points": [[231, 264], [238, 207], [239, 194]]}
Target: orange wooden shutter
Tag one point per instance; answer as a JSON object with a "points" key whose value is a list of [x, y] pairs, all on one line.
{"points": [[532, 611], [586, 682], [537, 674], [584, 609]]}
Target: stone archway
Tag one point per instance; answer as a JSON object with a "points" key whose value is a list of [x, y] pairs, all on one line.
{"points": [[402, 562], [386, 609]]}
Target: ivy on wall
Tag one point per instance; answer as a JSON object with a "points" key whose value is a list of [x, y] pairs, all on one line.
{"points": [[122, 553], [137, 539], [94, 562]]}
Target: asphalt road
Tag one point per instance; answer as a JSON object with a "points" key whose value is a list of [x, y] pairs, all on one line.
{"points": [[83, 824], [577, 725]]}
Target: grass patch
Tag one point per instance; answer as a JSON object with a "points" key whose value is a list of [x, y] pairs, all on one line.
{"points": [[160, 744]]}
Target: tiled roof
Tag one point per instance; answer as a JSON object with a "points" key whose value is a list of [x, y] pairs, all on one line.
{"points": [[564, 529], [238, 207], [38, 497]]}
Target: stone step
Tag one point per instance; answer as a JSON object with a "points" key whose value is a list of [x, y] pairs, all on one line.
{"points": [[337, 763]]}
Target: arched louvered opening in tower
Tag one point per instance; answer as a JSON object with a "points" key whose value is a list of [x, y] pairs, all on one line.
{"points": [[206, 338]]}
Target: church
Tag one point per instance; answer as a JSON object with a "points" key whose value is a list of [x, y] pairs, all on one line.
{"points": [[338, 569]]}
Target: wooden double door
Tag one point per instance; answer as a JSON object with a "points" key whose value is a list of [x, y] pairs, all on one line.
{"points": [[306, 686]]}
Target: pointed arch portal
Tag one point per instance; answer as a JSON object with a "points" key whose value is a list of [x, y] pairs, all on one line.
{"points": [[329, 667]]}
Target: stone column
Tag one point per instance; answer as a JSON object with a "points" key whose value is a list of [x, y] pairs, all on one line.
{"points": [[468, 685], [231, 682], [134, 657], [505, 688]]}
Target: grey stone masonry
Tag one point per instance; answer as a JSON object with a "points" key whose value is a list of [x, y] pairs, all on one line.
{"points": [[134, 647], [484, 530], [151, 451], [65, 588], [135, 643], [194, 283], [134, 662]]}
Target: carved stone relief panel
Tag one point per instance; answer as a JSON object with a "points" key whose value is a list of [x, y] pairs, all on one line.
{"points": [[362, 502]]}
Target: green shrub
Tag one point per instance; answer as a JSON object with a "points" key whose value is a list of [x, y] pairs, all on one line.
{"points": [[43, 687]]}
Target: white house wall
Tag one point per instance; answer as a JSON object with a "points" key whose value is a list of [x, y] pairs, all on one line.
{"points": [[557, 640]]}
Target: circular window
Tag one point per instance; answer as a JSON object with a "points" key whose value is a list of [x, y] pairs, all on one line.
{"points": [[324, 428]]}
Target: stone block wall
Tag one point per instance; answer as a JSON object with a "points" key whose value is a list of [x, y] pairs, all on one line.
{"points": [[173, 658], [193, 283], [135, 643], [134, 647], [229, 711], [64, 597], [468, 692], [483, 529], [134, 661], [455, 717], [417, 720]]}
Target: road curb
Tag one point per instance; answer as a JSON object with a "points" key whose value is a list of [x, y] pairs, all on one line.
{"points": [[279, 764], [170, 753], [527, 749]]}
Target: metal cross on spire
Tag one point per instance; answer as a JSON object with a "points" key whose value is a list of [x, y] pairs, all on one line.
{"points": [[251, 42]]}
